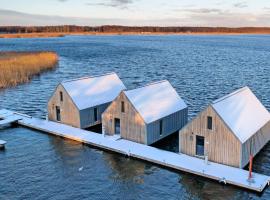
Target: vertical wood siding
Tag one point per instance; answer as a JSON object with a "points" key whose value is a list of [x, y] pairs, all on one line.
{"points": [[223, 145], [170, 124], [69, 112], [131, 123], [255, 143], [87, 118]]}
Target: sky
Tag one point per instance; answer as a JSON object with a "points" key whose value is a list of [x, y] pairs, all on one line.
{"points": [[230, 13]]}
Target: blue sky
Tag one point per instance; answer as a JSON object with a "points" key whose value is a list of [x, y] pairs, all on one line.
{"points": [[136, 12]]}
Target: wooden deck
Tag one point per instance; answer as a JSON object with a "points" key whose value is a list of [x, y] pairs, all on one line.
{"points": [[182, 162]]}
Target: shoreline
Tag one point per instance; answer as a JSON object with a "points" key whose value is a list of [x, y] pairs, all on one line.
{"points": [[63, 34]]}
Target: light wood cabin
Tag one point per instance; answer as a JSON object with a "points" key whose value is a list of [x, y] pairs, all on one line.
{"points": [[229, 130], [80, 102], [145, 115]]}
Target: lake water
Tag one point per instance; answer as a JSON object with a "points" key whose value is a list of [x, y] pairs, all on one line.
{"points": [[201, 68]]}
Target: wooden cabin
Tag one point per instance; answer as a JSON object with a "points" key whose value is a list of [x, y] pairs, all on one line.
{"points": [[80, 102], [147, 114], [229, 130]]}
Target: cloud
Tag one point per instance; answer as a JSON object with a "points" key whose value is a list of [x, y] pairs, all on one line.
{"points": [[242, 4], [113, 3], [190, 17], [201, 10], [62, 0], [14, 18]]}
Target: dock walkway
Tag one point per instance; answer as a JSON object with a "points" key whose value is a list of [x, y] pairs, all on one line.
{"points": [[8, 117], [182, 162]]}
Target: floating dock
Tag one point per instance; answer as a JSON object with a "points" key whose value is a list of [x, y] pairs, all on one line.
{"points": [[8, 118], [221, 173], [2, 144]]}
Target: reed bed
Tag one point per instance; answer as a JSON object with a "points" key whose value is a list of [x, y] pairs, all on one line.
{"points": [[20, 67], [31, 35]]}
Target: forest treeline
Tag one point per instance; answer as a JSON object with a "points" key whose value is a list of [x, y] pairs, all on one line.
{"points": [[136, 29]]}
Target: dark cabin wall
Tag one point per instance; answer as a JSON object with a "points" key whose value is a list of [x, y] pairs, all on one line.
{"points": [[255, 144], [170, 124], [87, 115]]}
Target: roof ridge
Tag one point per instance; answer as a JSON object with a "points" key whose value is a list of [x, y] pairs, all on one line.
{"points": [[86, 77], [231, 94], [149, 84]]}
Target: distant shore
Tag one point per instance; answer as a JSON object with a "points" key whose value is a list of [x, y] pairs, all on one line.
{"points": [[63, 30], [49, 35], [20, 67]]}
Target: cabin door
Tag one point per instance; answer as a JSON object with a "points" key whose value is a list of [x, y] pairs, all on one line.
{"points": [[199, 145], [58, 114], [117, 126]]}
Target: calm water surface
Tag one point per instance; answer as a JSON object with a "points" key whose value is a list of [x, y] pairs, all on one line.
{"points": [[201, 68]]}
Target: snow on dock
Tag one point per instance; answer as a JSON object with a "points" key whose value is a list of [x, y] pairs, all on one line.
{"points": [[2, 144], [182, 162], [8, 117]]}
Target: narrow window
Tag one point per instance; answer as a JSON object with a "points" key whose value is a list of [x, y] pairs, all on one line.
{"points": [[95, 114], [122, 106], [209, 123], [199, 145], [160, 127], [58, 113], [61, 96]]}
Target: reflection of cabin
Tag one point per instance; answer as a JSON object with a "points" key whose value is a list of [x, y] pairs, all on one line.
{"points": [[147, 114], [229, 130], [80, 102]]}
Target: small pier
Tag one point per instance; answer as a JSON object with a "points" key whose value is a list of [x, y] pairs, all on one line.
{"points": [[221, 173], [2, 144], [7, 117]]}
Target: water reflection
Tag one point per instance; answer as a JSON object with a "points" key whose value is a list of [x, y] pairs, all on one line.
{"points": [[126, 169], [198, 187]]}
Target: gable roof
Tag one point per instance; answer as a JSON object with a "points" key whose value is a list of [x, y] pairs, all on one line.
{"points": [[242, 112], [91, 91], [155, 101]]}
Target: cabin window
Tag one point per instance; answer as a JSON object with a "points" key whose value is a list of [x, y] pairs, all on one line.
{"points": [[61, 96], [95, 114], [209, 123], [160, 127], [122, 106]]}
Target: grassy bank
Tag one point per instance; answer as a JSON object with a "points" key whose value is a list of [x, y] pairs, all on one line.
{"points": [[19, 67], [31, 35]]}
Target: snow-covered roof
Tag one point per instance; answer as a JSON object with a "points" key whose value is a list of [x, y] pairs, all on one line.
{"points": [[92, 91], [243, 113], [155, 101]]}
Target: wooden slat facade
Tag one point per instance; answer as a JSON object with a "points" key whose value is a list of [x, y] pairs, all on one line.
{"points": [[68, 111], [131, 123], [87, 118], [223, 146], [70, 114], [255, 143], [171, 124], [133, 126]]}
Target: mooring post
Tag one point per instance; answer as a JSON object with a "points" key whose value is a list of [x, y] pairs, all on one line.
{"points": [[250, 166]]}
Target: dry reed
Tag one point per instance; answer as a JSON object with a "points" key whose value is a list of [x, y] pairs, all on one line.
{"points": [[19, 67]]}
